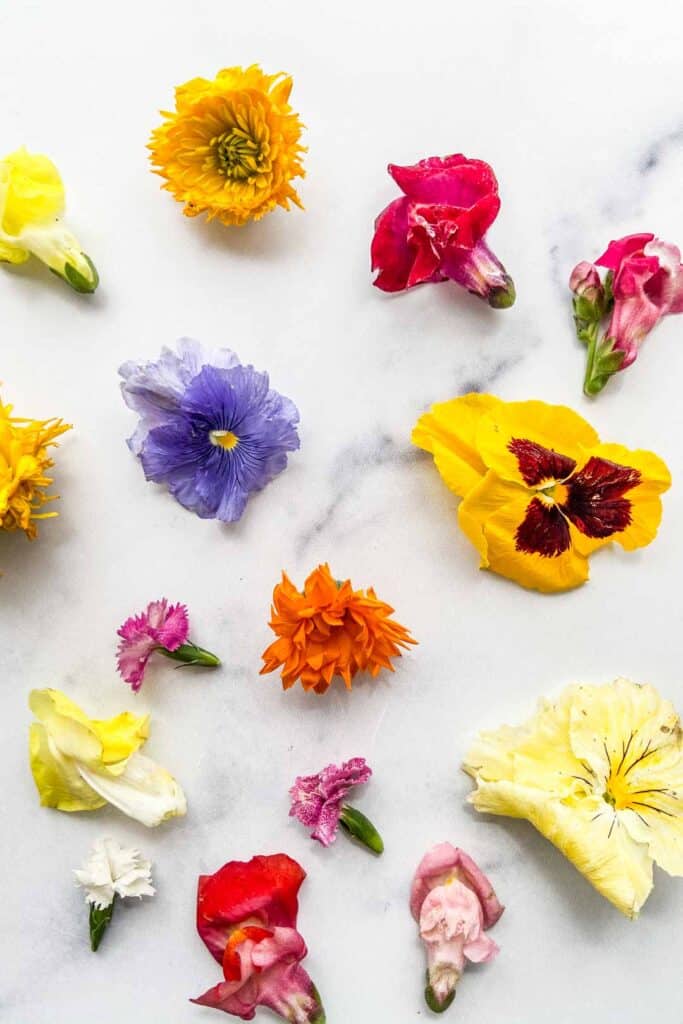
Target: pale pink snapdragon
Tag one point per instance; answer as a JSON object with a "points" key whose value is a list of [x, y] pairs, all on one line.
{"points": [[454, 904]]}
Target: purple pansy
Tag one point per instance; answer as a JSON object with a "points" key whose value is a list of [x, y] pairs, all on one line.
{"points": [[317, 799], [210, 428]]}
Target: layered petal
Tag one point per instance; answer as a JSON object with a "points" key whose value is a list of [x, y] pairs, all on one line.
{"points": [[79, 764], [449, 432], [598, 772], [265, 888], [143, 790]]}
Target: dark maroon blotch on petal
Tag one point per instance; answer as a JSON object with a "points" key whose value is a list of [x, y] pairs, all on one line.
{"points": [[595, 502], [537, 463], [543, 531]]}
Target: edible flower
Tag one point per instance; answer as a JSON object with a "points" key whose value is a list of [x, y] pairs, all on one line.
{"points": [[330, 629], [32, 202], [24, 461], [319, 801], [454, 905], [210, 428], [246, 916], [644, 282], [540, 491], [230, 148], [163, 628], [436, 230], [599, 772], [81, 764], [112, 872]]}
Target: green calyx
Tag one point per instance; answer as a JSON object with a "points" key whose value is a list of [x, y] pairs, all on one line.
{"points": [[503, 297], [99, 922], [361, 828], [191, 654], [318, 1012], [79, 282], [433, 1003]]}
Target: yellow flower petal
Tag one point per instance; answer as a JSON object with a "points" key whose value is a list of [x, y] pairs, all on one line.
{"points": [[56, 777], [599, 772], [617, 866], [121, 736], [449, 431], [231, 147], [547, 573], [554, 427], [67, 725], [33, 191], [644, 499], [79, 763]]}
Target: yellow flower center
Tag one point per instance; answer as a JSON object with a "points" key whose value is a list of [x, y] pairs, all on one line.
{"points": [[554, 493], [237, 154], [224, 439]]}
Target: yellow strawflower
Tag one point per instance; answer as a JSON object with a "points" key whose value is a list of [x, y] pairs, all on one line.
{"points": [[24, 462], [599, 772], [80, 764], [31, 203], [231, 147]]}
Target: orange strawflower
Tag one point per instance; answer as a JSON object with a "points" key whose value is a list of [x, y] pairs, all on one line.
{"points": [[331, 629]]}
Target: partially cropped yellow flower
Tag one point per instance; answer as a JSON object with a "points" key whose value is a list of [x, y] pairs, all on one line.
{"points": [[231, 147], [599, 772], [24, 462], [31, 203], [541, 491], [80, 764]]}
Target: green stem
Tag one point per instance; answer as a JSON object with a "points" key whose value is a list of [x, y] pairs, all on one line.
{"points": [[99, 922], [191, 654], [602, 363], [361, 828]]}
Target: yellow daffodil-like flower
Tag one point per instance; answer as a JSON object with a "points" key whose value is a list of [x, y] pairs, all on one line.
{"points": [[80, 764], [541, 491], [31, 203], [231, 147], [599, 772], [24, 461]]}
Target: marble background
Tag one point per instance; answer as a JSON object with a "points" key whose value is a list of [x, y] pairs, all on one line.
{"points": [[577, 107]]}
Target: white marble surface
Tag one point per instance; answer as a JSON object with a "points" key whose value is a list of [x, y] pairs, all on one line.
{"points": [[577, 106]]}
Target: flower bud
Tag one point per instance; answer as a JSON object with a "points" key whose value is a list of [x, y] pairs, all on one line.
{"points": [[585, 282]]}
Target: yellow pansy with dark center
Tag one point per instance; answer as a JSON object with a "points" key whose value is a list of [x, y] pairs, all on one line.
{"points": [[541, 492], [231, 147]]}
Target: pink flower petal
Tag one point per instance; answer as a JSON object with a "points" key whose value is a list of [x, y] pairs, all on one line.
{"points": [[617, 251], [389, 252], [160, 625]]}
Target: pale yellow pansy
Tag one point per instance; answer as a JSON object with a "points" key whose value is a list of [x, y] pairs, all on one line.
{"points": [[80, 764], [599, 772]]}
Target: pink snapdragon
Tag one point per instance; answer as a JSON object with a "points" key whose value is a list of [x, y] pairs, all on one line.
{"points": [[164, 628], [644, 283], [454, 904], [436, 230], [318, 801]]}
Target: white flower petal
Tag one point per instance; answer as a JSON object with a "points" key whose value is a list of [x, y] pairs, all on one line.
{"points": [[144, 791]]}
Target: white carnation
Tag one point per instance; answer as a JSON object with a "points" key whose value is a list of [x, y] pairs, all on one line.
{"points": [[114, 870]]}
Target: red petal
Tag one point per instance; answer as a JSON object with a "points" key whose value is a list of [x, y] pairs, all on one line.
{"points": [[264, 887]]}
